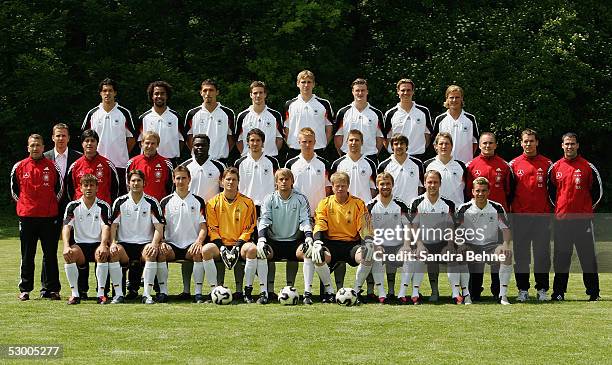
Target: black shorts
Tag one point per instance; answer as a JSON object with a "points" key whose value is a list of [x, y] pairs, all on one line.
{"points": [[133, 250], [343, 251], [89, 250], [284, 250], [488, 249], [179, 253]]}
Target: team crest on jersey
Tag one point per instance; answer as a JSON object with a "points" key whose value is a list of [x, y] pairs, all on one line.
{"points": [[318, 171], [266, 171], [210, 175], [158, 174], [144, 213], [315, 111], [268, 124], [418, 120], [99, 174], [465, 129], [491, 219], [411, 173], [46, 177], [192, 208], [96, 217], [116, 121], [218, 121], [169, 124], [363, 172]]}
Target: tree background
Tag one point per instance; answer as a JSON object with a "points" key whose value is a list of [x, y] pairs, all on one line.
{"points": [[544, 65]]}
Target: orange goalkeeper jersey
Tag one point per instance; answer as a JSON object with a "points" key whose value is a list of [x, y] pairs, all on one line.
{"points": [[230, 222]]}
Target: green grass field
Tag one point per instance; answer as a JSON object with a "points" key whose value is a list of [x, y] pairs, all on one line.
{"points": [[575, 331]]}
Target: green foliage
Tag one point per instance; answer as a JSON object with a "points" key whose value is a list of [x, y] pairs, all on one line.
{"points": [[542, 64]]}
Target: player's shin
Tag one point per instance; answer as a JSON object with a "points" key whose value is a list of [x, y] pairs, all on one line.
{"points": [[418, 274], [72, 273], [308, 274], [505, 272], [464, 280], [453, 281], [210, 269], [116, 274], [378, 273], [262, 274], [406, 276], [150, 270], [101, 275], [249, 271], [360, 275], [325, 276], [198, 276], [162, 277]]}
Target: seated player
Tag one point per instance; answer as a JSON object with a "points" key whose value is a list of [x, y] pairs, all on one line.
{"points": [[284, 224], [231, 220], [185, 232], [433, 216], [86, 236], [136, 232], [388, 213], [488, 217], [339, 220]]}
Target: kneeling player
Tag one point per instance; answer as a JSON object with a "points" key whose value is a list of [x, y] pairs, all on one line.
{"points": [[339, 220], [283, 226], [388, 213], [88, 218], [486, 217], [433, 218], [185, 232], [232, 219], [136, 232]]}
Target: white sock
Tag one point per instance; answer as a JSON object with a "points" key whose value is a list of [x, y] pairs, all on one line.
{"points": [[464, 280], [405, 275], [72, 273], [116, 274], [453, 280], [505, 272], [211, 272], [360, 275], [162, 276], [262, 274], [325, 276], [150, 270], [198, 276], [378, 274], [101, 275], [186, 270], [249, 271], [308, 274], [419, 268]]}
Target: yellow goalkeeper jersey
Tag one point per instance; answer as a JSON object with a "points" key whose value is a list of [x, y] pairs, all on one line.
{"points": [[230, 221], [340, 222]]}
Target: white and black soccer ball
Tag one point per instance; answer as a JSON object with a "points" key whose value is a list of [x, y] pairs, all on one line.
{"points": [[346, 297], [221, 295], [289, 296]]}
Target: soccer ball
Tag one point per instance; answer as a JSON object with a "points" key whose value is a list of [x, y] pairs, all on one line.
{"points": [[346, 297], [221, 295], [289, 296]]}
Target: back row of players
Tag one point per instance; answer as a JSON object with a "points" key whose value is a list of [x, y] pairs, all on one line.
{"points": [[525, 189]]}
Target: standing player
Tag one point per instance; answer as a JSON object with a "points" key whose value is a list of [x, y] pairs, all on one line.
{"points": [[232, 220], [164, 121], [339, 220], [494, 168], [308, 110], [407, 171], [487, 217], [433, 216], [86, 236], [360, 169], [362, 116], [260, 116], [453, 172], [388, 213], [205, 171], [460, 124], [530, 220], [114, 124], [93, 163], [157, 168], [212, 119], [185, 232], [36, 186], [136, 233], [575, 189], [410, 120], [283, 226], [311, 173]]}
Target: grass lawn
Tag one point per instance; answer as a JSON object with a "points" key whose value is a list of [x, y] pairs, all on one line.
{"points": [[575, 331]]}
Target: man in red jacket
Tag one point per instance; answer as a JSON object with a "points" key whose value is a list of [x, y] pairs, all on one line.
{"points": [[157, 169], [37, 187], [530, 218], [93, 163], [575, 189]]}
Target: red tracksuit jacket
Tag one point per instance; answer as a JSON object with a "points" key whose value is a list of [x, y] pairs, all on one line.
{"points": [[499, 174], [36, 186], [158, 174], [530, 188], [100, 167]]}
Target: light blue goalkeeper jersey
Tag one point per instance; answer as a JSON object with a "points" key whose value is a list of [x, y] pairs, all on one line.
{"points": [[282, 220]]}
